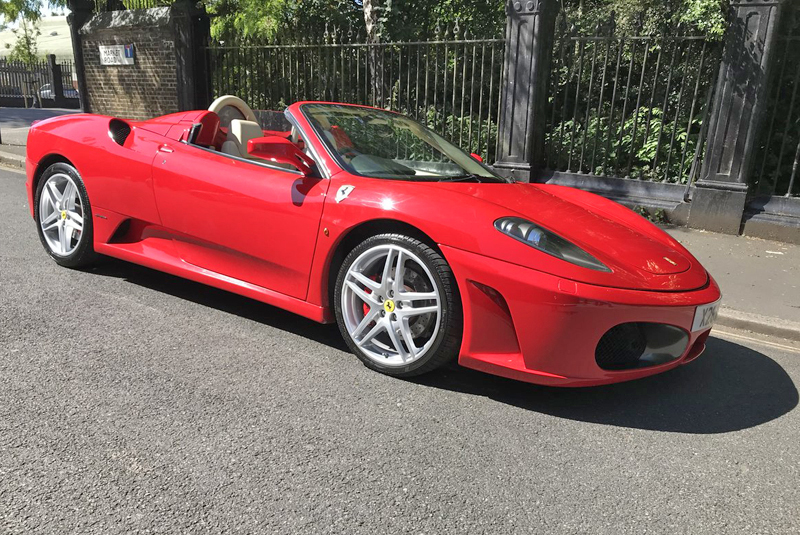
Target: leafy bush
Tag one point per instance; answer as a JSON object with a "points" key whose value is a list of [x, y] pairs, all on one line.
{"points": [[644, 145]]}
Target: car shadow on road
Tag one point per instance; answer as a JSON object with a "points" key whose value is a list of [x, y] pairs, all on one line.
{"points": [[729, 388], [221, 300]]}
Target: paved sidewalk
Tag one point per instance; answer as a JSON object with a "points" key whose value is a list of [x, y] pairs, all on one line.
{"points": [[14, 126], [23, 117], [760, 280]]}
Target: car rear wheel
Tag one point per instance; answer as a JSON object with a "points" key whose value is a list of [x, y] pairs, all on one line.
{"points": [[397, 306], [64, 217]]}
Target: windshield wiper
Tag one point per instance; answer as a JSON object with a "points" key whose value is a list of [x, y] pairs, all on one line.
{"points": [[468, 178]]}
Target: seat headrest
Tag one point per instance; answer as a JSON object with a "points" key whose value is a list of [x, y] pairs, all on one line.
{"points": [[243, 131], [209, 126]]}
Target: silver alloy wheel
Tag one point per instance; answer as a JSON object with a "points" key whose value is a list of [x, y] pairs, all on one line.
{"points": [[391, 305], [61, 214]]}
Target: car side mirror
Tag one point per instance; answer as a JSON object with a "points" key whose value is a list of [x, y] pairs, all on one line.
{"points": [[281, 151], [477, 157]]}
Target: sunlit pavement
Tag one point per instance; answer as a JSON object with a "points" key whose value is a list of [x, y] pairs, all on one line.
{"points": [[131, 400], [758, 278], [14, 123]]}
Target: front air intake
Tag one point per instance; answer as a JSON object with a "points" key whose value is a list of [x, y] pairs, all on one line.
{"points": [[621, 347], [640, 345], [118, 131]]}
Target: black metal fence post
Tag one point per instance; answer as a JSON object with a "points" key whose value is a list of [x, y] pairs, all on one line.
{"points": [[56, 82], [719, 200], [81, 11], [530, 30]]}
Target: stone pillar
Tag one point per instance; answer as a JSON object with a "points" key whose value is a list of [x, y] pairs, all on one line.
{"points": [[530, 30], [192, 28], [168, 73], [736, 115], [80, 12]]}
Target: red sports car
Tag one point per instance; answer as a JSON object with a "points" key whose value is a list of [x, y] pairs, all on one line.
{"points": [[362, 216]]}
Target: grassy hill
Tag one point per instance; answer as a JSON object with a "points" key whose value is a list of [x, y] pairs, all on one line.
{"points": [[55, 39]]}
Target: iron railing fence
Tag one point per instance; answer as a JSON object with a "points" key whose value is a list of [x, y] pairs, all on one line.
{"points": [[101, 6], [450, 83], [19, 79], [68, 79], [629, 106], [33, 82], [777, 162]]}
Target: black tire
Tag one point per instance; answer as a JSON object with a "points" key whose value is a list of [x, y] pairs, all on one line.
{"points": [[83, 255], [447, 343]]}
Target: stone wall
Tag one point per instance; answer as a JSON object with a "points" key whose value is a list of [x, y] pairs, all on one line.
{"points": [[149, 87]]}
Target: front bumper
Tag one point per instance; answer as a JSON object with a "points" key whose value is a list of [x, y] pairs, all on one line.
{"points": [[531, 326]]}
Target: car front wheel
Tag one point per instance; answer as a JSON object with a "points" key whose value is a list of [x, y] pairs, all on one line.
{"points": [[397, 306]]}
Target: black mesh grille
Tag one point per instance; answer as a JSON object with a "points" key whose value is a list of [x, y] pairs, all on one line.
{"points": [[119, 131], [621, 347]]}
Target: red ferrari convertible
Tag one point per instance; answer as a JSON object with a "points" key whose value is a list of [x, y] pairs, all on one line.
{"points": [[358, 215]]}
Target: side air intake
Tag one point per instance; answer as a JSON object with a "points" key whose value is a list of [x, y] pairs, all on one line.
{"points": [[118, 131]]}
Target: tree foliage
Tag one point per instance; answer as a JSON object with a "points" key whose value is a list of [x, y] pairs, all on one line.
{"points": [[26, 13], [390, 20], [26, 48], [13, 10], [408, 20], [247, 18], [703, 17]]}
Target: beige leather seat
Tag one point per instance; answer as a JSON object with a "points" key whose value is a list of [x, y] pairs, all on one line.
{"points": [[239, 133]]}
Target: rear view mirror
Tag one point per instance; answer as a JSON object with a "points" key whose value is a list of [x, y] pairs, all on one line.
{"points": [[281, 151], [477, 157]]}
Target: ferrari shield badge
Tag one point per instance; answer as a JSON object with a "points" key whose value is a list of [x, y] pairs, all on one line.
{"points": [[343, 192]]}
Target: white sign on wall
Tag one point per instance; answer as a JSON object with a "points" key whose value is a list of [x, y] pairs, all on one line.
{"points": [[116, 55]]}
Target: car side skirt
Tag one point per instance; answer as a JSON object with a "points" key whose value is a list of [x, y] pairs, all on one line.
{"points": [[159, 253]]}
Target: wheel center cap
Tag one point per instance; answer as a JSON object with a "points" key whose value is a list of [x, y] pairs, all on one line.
{"points": [[63, 214], [388, 305]]}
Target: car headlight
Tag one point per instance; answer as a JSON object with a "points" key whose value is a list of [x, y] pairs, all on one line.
{"points": [[547, 242]]}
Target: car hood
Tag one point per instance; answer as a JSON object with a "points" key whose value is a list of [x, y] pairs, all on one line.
{"points": [[639, 254]]}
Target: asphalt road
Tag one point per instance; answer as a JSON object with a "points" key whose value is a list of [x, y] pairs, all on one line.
{"points": [[132, 401]]}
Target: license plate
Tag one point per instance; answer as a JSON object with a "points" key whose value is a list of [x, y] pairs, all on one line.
{"points": [[705, 315]]}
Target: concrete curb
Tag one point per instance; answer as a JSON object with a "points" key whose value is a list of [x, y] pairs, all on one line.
{"points": [[758, 324], [12, 160]]}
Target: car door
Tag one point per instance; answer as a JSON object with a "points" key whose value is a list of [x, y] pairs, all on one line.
{"points": [[242, 219]]}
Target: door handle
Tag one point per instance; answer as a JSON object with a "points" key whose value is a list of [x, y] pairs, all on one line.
{"points": [[165, 148]]}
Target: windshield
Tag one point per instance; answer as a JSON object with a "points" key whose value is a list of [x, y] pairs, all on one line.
{"points": [[382, 144]]}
